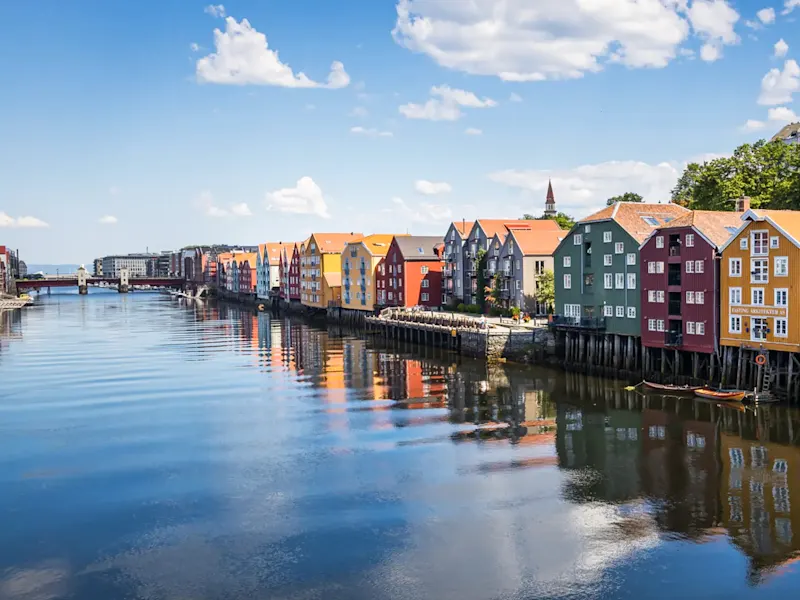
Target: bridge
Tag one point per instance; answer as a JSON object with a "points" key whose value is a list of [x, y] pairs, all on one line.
{"points": [[81, 280]]}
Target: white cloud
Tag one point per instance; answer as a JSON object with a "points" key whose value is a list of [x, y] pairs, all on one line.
{"points": [[789, 6], [215, 10], [432, 188], [305, 198], [114, 190], [546, 39], [582, 190], [21, 222], [423, 212], [243, 57], [359, 112], [778, 86], [445, 105], [515, 97], [781, 114], [108, 220], [194, 47], [241, 210], [370, 132], [766, 16], [781, 48], [713, 21], [473, 131], [753, 125]]}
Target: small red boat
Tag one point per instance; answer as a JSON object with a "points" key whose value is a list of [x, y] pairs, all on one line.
{"points": [[730, 396], [672, 389]]}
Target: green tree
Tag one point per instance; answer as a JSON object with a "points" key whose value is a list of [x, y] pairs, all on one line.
{"points": [[767, 172], [546, 292], [626, 197], [564, 220]]}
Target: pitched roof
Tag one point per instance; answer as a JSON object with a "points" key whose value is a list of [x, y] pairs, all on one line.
{"points": [[537, 243], [463, 227], [333, 279], [551, 197], [334, 243], [418, 247], [378, 244], [247, 257], [790, 130], [492, 226], [274, 251], [788, 221], [716, 225], [631, 216]]}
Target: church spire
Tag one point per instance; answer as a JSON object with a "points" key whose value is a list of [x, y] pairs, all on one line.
{"points": [[550, 202]]}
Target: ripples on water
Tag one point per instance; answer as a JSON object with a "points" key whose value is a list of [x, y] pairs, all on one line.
{"points": [[154, 449]]}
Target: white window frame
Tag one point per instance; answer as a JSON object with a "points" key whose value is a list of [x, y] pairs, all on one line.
{"points": [[659, 241], [784, 271], [620, 311], [699, 266], [781, 327], [587, 228], [774, 242], [689, 297], [735, 267], [757, 334], [735, 324], [425, 297], [619, 248], [699, 297], [781, 297], [761, 236], [660, 296], [651, 324], [619, 281], [700, 328], [577, 239], [631, 312], [631, 281], [630, 258], [690, 266], [660, 326], [761, 274], [689, 240], [757, 293], [608, 260], [567, 262], [567, 281], [607, 237], [608, 310], [689, 328], [651, 266], [660, 267], [608, 281], [651, 296], [424, 269]]}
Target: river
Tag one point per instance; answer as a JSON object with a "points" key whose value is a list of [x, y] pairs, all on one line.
{"points": [[160, 449]]}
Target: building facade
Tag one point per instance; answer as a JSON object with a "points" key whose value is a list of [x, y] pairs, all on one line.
{"points": [[138, 265], [359, 261], [680, 281], [321, 268], [453, 272], [522, 260], [759, 268], [97, 269], [597, 267], [411, 273]]}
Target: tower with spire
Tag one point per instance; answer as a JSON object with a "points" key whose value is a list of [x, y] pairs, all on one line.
{"points": [[550, 203]]}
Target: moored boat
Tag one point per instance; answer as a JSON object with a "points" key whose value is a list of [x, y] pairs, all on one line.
{"points": [[672, 389], [729, 396]]}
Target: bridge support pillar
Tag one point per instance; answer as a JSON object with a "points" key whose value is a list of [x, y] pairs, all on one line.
{"points": [[123, 281], [83, 288]]}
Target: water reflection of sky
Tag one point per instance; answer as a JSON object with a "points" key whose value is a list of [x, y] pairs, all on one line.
{"points": [[155, 449]]}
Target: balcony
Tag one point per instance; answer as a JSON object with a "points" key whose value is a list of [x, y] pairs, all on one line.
{"points": [[674, 304], [675, 250], [588, 323], [674, 274], [507, 272], [673, 338]]}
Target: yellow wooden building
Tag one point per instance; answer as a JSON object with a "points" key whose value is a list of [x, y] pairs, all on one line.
{"points": [[759, 273], [359, 261], [321, 268]]}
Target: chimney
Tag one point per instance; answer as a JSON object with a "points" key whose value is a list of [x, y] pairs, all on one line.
{"points": [[743, 204]]}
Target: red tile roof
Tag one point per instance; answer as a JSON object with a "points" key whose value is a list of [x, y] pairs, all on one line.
{"points": [[631, 216]]}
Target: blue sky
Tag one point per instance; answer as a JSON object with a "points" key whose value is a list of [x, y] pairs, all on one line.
{"points": [[128, 125]]}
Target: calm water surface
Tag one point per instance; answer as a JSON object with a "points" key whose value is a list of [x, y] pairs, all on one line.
{"points": [[155, 449]]}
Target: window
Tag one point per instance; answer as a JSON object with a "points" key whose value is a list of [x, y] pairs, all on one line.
{"points": [[619, 281], [400, 268], [567, 281], [631, 312], [781, 328], [757, 296], [652, 221], [743, 243], [567, 261], [608, 310], [660, 296], [660, 241], [607, 260], [699, 266], [577, 239], [689, 297], [572, 310], [425, 283], [619, 248], [700, 328], [735, 326], [607, 237], [759, 270], [587, 228], [735, 267], [631, 258], [773, 241], [690, 327], [782, 297], [651, 267], [699, 297], [516, 265], [608, 281], [425, 297], [631, 281], [620, 311], [781, 266], [660, 325], [760, 240], [660, 266], [758, 328], [690, 266], [424, 269], [651, 324], [689, 240]]}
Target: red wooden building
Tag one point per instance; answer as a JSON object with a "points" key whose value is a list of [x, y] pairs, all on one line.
{"points": [[411, 272], [679, 274]]}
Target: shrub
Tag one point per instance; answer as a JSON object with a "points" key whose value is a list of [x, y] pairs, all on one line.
{"points": [[461, 307], [473, 309], [515, 312]]}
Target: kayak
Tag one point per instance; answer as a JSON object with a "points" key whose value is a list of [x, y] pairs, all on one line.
{"points": [[675, 389], [733, 396]]}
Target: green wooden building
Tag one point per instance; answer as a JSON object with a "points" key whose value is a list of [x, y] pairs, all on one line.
{"points": [[597, 271]]}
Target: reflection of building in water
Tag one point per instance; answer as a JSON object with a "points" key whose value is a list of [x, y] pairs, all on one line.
{"points": [[679, 468], [408, 379], [608, 442], [759, 482]]}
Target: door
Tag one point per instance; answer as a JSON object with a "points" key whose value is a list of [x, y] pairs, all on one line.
{"points": [[758, 329]]}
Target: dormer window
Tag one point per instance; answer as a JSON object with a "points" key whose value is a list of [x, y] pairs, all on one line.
{"points": [[652, 221]]}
